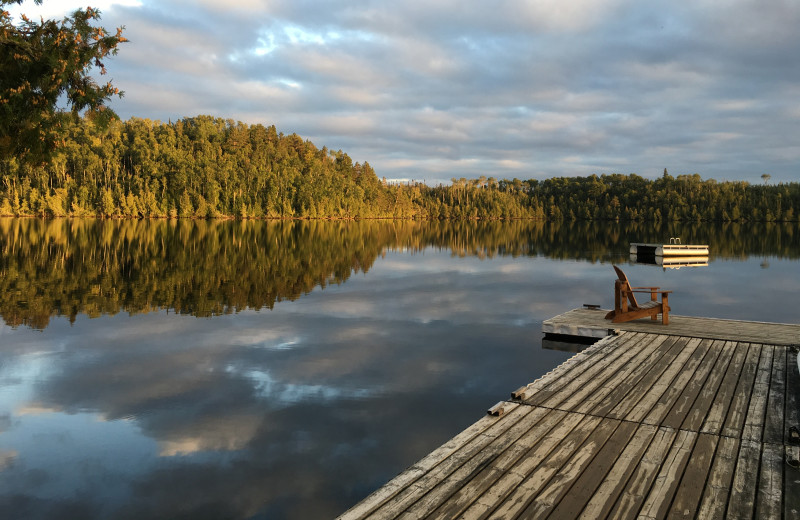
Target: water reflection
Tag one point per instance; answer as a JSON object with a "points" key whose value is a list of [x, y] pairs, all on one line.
{"points": [[206, 398], [207, 268], [670, 262], [224, 417]]}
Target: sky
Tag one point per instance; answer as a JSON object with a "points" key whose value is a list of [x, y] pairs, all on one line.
{"points": [[432, 90]]}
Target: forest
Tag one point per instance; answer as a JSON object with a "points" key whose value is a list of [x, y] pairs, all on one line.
{"points": [[205, 167]]}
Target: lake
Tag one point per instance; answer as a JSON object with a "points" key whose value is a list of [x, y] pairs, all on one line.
{"points": [[285, 370]]}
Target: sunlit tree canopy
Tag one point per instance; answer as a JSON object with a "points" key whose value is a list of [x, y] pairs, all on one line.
{"points": [[46, 76]]}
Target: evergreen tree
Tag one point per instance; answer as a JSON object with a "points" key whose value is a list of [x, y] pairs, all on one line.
{"points": [[40, 63]]}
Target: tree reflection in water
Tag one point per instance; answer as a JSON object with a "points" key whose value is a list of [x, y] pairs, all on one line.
{"points": [[66, 267]]}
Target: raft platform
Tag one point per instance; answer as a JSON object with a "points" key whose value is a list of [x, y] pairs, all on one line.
{"points": [[695, 419], [669, 249]]}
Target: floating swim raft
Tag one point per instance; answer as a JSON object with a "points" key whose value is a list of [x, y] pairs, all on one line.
{"points": [[672, 249]]}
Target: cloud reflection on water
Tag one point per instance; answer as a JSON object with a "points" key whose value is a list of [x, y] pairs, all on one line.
{"points": [[338, 390], [241, 407]]}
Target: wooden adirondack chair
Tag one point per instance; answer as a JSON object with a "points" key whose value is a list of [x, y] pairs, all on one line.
{"points": [[626, 308]]}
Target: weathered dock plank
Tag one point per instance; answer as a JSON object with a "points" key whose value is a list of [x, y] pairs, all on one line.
{"points": [[534, 481], [592, 321], [572, 425], [741, 503], [792, 405], [714, 421], [774, 425], [690, 490], [673, 388], [685, 397], [587, 369], [632, 498], [589, 384], [716, 493], [666, 484], [586, 478], [612, 486], [650, 423], [638, 405], [488, 476], [740, 402], [626, 381], [756, 412], [770, 482], [710, 391]]}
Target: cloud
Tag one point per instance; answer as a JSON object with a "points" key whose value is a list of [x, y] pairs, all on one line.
{"points": [[437, 89]]}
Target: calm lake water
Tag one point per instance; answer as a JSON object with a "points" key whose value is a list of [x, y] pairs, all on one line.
{"points": [[286, 370]]}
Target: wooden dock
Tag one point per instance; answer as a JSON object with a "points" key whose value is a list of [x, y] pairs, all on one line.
{"points": [[696, 419]]}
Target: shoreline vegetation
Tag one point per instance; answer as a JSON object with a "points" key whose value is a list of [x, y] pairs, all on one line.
{"points": [[211, 168]]}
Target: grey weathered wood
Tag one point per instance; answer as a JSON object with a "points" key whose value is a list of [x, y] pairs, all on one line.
{"points": [[630, 501], [675, 388], [770, 482], [684, 402], [737, 412], [716, 493], [501, 408], [511, 479], [552, 382], [792, 404], [594, 385], [791, 475], [666, 484], [588, 370], [690, 491], [581, 481], [741, 503], [629, 398], [710, 390], [756, 412], [534, 481], [773, 422], [688, 326], [471, 489], [625, 380], [652, 391], [561, 482], [614, 483], [718, 412]]}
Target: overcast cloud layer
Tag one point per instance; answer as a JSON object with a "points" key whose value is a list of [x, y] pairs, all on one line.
{"points": [[435, 89]]}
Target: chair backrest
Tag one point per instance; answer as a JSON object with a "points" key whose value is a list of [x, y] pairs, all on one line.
{"points": [[624, 279]]}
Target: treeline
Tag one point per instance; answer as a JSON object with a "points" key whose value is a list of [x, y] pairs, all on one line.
{"points": [[206, 167], [67, 267], [195, 168]]}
